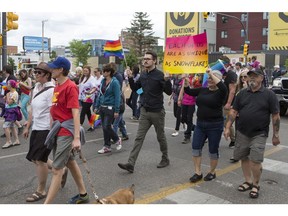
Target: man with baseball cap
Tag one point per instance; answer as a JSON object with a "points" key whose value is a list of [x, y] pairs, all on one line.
{"points": [[65, 106], [276, 73], [254, 106]]}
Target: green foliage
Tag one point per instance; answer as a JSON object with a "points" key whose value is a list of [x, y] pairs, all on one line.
{"points": [[53, 55], [131, 59], [141, 34], [11, 62], [286, 64], [81, 51]]}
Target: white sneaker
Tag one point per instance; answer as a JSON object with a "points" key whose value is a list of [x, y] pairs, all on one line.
{"points": [[119, 144], [104, 150], [176, 133]]}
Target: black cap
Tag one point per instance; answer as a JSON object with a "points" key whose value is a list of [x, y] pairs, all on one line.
{"points": [[256, 71]]}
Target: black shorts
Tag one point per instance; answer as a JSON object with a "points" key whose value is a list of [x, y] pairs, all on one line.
{"points": [[37, 150]]}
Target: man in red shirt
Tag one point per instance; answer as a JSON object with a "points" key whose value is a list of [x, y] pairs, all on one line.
{"points": [[65, 106]]}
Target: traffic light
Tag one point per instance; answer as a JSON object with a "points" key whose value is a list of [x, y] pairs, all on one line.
{"points": [[245, 49], [11, 17], [1, 40], [205, 15]]}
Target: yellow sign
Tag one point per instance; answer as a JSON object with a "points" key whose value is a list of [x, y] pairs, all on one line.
{"points": [[186, 54], [278, 31], [181, 24]]}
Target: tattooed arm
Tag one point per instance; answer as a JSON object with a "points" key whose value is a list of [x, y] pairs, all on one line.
{"points": [[276, 127], [231, 118]]}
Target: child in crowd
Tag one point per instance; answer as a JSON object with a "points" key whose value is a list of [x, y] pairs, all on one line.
{"points": [[10, 114]]}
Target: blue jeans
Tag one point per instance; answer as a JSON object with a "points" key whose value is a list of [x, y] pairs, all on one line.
{"points": [[212, 131], [24, 99], [120, 123]]}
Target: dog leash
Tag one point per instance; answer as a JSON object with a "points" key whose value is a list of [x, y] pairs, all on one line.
{"points": [[83, 159]]}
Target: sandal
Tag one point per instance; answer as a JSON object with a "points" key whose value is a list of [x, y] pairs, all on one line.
{"points": [[254, 194], [35, 197], [242, 187], [16, 144]]}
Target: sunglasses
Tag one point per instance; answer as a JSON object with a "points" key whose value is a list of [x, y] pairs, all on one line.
{"points": [[38, 72]]}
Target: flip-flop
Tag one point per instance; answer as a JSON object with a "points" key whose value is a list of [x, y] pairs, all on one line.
{"points": [[35, 197]]}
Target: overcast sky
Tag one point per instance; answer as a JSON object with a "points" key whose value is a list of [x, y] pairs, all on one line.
{"points": [[88, 19], [63, 27]]}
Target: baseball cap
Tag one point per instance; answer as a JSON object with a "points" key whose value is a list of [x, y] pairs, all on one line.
{"points": [[43, 66], [256, 71], [276, 66], [60, 62]]}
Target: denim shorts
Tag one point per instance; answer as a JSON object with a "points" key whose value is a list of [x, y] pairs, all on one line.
{"points": [[207, 130], [251, 148]]}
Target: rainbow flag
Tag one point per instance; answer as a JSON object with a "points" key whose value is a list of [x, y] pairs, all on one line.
{"points": [[94, 120], [113, 48], [4, 86]]}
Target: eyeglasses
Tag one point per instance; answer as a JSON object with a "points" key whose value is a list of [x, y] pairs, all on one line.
{"points": [[38, 72], [106, 71], [243, 76], [147, 59]]}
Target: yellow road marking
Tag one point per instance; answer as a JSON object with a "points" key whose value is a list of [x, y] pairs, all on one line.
{"points": [[164, 192]]}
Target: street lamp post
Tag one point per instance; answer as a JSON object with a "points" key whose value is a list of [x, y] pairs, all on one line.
{"points": [[43, 22]]}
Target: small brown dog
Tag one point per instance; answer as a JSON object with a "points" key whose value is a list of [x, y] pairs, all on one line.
{"points": [[121, 196]]}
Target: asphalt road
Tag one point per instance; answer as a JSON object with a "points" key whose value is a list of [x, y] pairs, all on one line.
{"points": [[169, 185]]}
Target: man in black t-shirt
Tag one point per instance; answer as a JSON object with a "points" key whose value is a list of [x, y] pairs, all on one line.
{"points": [[253, 106]]}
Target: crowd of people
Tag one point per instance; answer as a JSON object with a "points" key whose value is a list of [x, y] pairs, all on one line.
{"points": [[60, 103]]}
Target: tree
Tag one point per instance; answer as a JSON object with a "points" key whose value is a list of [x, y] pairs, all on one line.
{"points": [[53, 55], [141, 34], [11, 62], [131, 59], [81, 51]]}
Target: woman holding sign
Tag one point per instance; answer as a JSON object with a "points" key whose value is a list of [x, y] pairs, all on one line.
{"points": [[209, 123]]}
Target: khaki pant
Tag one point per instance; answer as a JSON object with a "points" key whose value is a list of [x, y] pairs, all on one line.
{"points": [[146, 120]]}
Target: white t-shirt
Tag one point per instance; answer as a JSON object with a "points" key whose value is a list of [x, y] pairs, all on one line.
{"points": [[41, 105], [85, 87]]}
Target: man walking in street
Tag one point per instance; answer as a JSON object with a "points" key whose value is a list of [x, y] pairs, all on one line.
{"points": [[65, 106], [253, 107], [153, 83]]}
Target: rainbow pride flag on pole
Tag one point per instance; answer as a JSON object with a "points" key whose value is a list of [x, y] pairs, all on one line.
{"points": [[113, 48]]}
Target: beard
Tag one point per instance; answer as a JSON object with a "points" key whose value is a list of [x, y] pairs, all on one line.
{"points": [[253, 84]]}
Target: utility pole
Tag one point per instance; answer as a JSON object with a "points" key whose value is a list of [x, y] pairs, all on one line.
{"points": [[43, 22], [4, 40]]}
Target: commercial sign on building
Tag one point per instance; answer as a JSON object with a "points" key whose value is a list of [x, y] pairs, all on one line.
{"points": [[35, 43], [278, 31], [181, 24]]}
